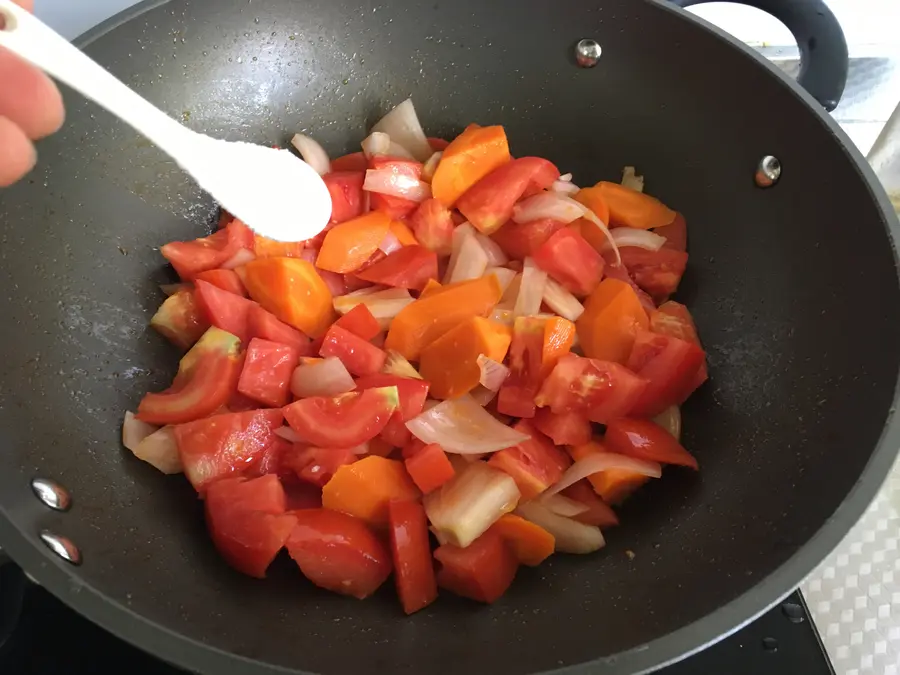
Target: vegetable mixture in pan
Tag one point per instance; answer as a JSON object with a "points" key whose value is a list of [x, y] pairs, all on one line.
{"points": [[463, 374]]}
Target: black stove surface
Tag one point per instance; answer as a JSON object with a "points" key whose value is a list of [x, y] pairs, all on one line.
{"points": [[44, 637]]}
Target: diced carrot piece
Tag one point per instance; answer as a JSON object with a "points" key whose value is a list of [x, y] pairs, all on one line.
{"points": [[531, 543], [450, 363], [470, 157], [360, 322], [559, 335], [429, 468], [365, 488], [269, 248], [292, 290], [431, 286], [350, 244], [422, 322], [612, 485], [630, 208], [592, 197], [612, 317], [404, 235]]}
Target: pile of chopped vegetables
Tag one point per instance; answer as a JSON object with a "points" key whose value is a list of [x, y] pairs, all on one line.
{"points": [[463, 374]]}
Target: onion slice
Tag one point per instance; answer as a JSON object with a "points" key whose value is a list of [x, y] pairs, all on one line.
{"points": [[390, 243], [547, 205], [566, 177], [495, 254], [160, 450], [561, 301], [403, 126], [385, 304], [323, 378], [387, 182], [570, 535], [531, 290], [562, 505], [242, 257], [463, 427], [629, 236], [396, 364], [134, 431], [603, 461], [469, 262], [504, 275], [564, 187], [431, 166], [376, 144], [592, 217], [312, 153], [482, 396], [493, 374], [631, 180], [670, 420]]}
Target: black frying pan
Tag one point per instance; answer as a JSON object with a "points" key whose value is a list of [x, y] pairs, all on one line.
{"points": [[794, 289]]}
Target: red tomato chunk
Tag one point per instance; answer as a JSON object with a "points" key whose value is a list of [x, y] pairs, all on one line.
{"points": [[266, 376]]}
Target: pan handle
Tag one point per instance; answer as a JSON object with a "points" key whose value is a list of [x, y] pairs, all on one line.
{"points": [[824, 59]]}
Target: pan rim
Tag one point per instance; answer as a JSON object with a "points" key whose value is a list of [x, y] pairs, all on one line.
{"points": [[63, 581]]}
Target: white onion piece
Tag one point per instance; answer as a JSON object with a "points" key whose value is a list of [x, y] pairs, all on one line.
{"points": [[547, 205], [390, 243], [631, 180], [431, 166], [459, 234], [403, 126], [396, 364], [564, 187], [557, 298], [531, 291], [604, 461], [368, 290], [566, 178], [629, 236], [397, 150], [482, 396], [376, 144], [289, 435], [592, 217], [384, 304], [495, 254], [493, 374], [463, 508], [562, 505], [508, 299], [470, 263], [504, 275], [323, 378], [503, 315], [172, 289], [571, 536], [312, 153], [242, 257], [463, 427], [387, 182], [160, 450], [670, 420], [134, 431]]}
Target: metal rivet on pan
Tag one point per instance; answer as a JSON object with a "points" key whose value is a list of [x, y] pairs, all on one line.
{"points": [[52, 494], [587, 53], [62, 547], [770, 644], [793, 612], [768, 171]]}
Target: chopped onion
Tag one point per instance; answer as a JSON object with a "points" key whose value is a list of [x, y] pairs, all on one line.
{"points": [[493, 374], [561, 301], [289, 435], [376, 144], [592, 217], [134, 431], [482, 396], [562, 505], [470, 260], [629, 236], [531, 291], [566, 178], [604, 461], [504, 276], [387, 182], [390, 243], [397, 150], [396, 364], [242, 257], [403, 126], [323, 378], [564, 187], [670, 420], [631, 180], [457, 237], [431, 166], [160, 450], [462, 426], [312, 153], [495, 254], [473, 500], [172, 289], [548, 205], [508, 299], [384, 304], [571, 536]]}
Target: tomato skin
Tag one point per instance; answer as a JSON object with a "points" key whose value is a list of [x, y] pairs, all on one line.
{"points": [[248, 540], [359, 356], [572, 261], [674, 319], [346, 190], [413, 567], [603, 390], [180, 319], [482, 571], [535, 464], [646, 440], [317, 465], [669, 365], [396, 207], [265, 325], [429, 468], [355, 161], [189, 258], [657, 272], [675, 234], [433, 226], [520, 241], [526, 351], [338, 552], [360, 322], [271, 461], [219, 446], [409, 267], [344, 421], [263, 494], [224, 310], [266, 376], [568, 428], [227, 280]]}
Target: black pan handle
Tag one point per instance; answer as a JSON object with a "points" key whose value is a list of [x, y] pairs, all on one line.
{"points": [[824, 59]]}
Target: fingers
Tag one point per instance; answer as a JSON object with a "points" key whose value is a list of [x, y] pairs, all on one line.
{"points": [[17, 155], [28, 97]]}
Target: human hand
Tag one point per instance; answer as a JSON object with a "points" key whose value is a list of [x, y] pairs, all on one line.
{"points": [[30, 108]]}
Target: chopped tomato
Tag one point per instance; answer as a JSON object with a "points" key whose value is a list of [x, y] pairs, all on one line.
{"points": [[204, 382], [338, 552], [603, 390], [344, 421], [675, 233], [489, 203], [266, 376], [227, 280], [535, 464], [355, 161], [222, 445], [412, 392], [359, 356], [237, 402], [657, 272], [482, 571], [669, 365], [263, 324], [263, 494], [271, 461], [413, 568], [519, 241], [569, 259], [189, 258], [346, 190], [317, 465], [599, 513], [180, 319], [360, 322], [646, 440], [674, 319], [300, 495], [224, 310], [567, 428], [395, 432], [224, 220], [516, 397], [395, 207], [409, 267], [429, 468], [433, 226]]}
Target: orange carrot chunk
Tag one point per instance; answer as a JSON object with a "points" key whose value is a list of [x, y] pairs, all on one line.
{"points": [[613, 485], [612, 317], [349, 244], [365, 488], [404, 235], [470, 157], [531, 543], [629, 208]]}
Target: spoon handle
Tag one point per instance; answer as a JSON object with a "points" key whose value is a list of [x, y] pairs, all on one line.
{"points": [[34, 41]]}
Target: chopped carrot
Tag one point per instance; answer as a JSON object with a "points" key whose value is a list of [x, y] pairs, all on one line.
{"points": [[592, 197], [531, 543], [350, 244], [429, 468], [365, 488], [612, 317], [470, 157], [559, 335], [269, 248], [360, 322], [630, 208], [612, 485], [450, 363], [431, 286], [404, 235], [425, 320], [293, 291]]}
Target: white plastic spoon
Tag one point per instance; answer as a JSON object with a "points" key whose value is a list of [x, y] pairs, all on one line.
{"points": [[275, 193]]}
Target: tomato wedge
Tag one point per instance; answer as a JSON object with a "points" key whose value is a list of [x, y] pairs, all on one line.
{"points": [[413, 569], [359, 356], [180, 319], [433, 225], [674, 319], [346, 190], [227, 280], [317, 465], [482, 571], [409, 267], [647, 440], [657, 272], [265, 325], [669, 365], [355, 161], [266, 376], [526, 351], [360, 322], [572, 261], [567, 428], [189, 258], [344, 421], [224, 310], [520, 241], [535, 464]]}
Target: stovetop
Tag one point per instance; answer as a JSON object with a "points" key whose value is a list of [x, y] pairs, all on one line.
{"points": [[44, 637]]}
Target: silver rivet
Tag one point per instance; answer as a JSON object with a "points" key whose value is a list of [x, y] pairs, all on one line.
{"points": [[768, 172], [62, 547], [587, 53], [52, 494]]}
